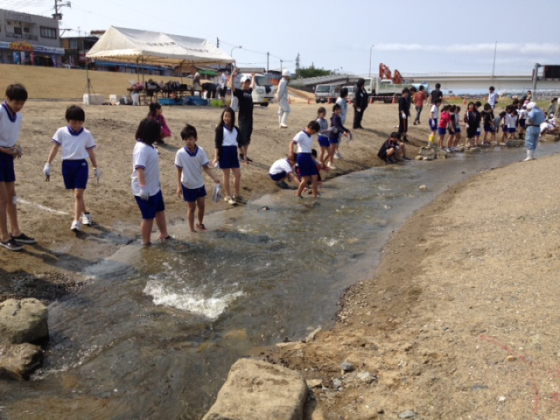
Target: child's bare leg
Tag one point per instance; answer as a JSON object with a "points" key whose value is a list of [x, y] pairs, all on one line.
{"points": [[11, 209], [146, 228], [314, 184], [236, 180], [226, 182], [79, 205], [323, 153], [161, 224], [302, 184], [332, 150], [191, 205], [200, 203], [4, 212], [450, 141]]}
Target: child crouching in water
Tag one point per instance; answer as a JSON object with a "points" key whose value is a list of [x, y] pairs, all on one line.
{"points": [[146, 180], [77, 145], [190, 161], [282, 170], [305, 161]]}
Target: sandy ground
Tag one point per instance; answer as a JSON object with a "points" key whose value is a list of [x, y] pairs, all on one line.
{"points": [[459, 321], [46, 209]]}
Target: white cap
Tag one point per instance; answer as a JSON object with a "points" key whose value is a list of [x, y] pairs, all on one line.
{"points": [[245, 78], [197, 74], [286, 72], [531, 105]]}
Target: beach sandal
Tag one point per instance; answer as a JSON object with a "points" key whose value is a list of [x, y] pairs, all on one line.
{"points": [[201, 226], [167, 238]]}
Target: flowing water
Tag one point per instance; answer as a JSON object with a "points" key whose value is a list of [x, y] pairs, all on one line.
{"points": [[154, 331]]}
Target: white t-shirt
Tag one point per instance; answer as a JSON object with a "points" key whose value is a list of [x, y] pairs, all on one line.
{"points": [[145, 157], [492, 98], [304, 142], [230, 137], [75, 145], [281, 165], [191, 163], [435, 110], [10, 125], [511, 121]]}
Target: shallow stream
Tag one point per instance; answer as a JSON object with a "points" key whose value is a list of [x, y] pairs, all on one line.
{"points": [[154, 331]]}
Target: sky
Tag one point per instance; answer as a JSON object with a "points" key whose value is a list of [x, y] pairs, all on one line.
{"points": [[415, 37]]}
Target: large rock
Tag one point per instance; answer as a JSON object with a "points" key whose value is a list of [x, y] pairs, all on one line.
{"points": [[23, 321], [256, 390], [18, 361], [515, 143]]}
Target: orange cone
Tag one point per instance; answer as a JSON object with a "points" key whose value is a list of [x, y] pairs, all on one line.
{"points": [[371, 100], [329, 101], [394, 100], [289, 100], [308, 101], [464, 101]]}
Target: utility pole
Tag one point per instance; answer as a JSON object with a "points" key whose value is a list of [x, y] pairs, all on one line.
{"points": [[281, 68], [494, 64], [59, 4], [218, 42], [267, 61], [535, 78]]}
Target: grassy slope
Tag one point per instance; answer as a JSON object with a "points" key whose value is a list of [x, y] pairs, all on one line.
{"points": [[55, 83]]}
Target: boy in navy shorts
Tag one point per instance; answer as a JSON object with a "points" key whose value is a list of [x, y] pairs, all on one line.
{"points": [[190, 161], [10, 126], [77, 145]]}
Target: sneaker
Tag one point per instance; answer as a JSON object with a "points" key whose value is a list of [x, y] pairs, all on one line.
{"points": [[528, 158], [407, 158], [331, 166], [24, 239], [238, 199], [230, 200], [12, 245], [76, 227], [86, 219], [338, 155]]}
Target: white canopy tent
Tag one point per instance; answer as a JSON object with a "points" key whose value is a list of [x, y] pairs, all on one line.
{"points": [[144, 47]]}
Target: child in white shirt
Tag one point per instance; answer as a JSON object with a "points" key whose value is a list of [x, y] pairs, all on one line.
{"points": [[146, 185], [190, 161], [77, 145]]}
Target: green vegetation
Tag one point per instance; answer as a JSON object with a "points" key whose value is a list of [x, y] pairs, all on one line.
{"points": [[312, 71]]}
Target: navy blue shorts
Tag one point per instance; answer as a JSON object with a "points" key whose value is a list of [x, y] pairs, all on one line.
{"points": [[433, 124], [306, 164], [488, 128], [228, 158], [512, 129], [478, 131], [150, 207], [7, 172], [441, 131], [457, 130], [278, 177], [75, 174], [323, 141], [191, 195], [522, 123], [336, 140]]}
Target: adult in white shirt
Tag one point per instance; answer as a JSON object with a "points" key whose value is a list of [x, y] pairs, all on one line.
{"points": [[283, 102]]}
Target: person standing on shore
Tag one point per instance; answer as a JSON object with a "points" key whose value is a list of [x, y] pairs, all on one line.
{"points": [[222, 81], [10, 126], [492, 97], [283, 102], [436, 94], [418, 99], [534, 119], [361, 99], [245, 98], [404, 113]]}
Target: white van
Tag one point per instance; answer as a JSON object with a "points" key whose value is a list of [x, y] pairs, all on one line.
{"points": [[263, 93], [326, 92]]}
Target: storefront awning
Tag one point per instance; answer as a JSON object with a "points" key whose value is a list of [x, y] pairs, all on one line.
{"points": [[30, 48]]}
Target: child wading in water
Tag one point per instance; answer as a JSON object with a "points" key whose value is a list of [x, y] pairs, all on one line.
{"points": [[10, 126], [156, 114], [146, 180], [77, 145], [190, 162], [225, 153], [305, 161]]}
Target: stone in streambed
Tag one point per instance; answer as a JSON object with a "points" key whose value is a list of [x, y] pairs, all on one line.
{"points": [[17, 361], [256, 390], [23, 321]]}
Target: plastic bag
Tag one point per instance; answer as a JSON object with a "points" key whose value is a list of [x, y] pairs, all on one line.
{"points": [[217, 193]]}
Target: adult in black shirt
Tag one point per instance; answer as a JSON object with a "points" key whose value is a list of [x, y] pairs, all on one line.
{"points": [[436, 94], [361, 99], [404, 113], [245, 98]]}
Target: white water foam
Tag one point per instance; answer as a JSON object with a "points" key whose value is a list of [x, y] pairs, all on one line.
{"points": [[189, 300]]}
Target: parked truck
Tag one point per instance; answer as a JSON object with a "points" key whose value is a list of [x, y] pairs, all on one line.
{"points": [[326, 92], [388, 86], [263, 93]]}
